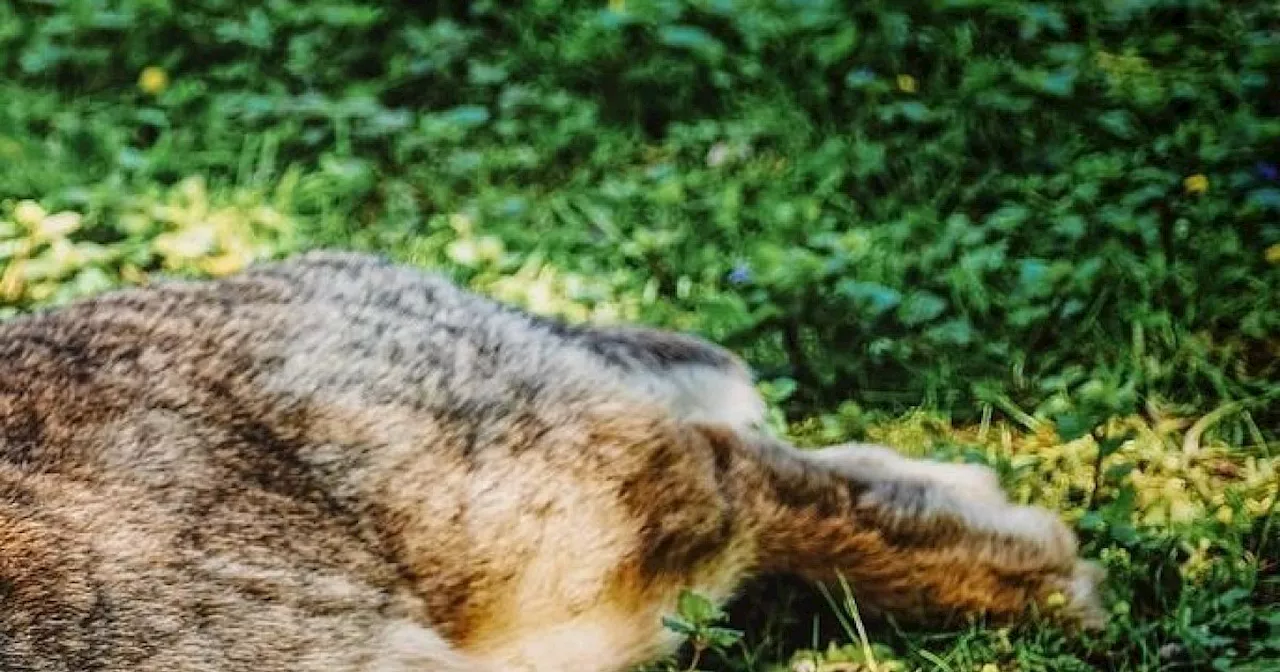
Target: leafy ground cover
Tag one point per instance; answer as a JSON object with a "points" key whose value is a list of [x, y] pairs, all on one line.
{"points": [[1040, 235]]}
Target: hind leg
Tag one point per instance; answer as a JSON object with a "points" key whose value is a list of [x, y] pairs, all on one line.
{"points": [[973, 482], [911, 488], [701, 382], [915, 539]]}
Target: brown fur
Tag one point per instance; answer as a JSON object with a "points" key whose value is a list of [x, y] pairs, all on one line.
{"points": [[335, 463]]}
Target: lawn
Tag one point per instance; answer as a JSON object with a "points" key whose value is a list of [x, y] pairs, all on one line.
{"points": [[1043, 236]]}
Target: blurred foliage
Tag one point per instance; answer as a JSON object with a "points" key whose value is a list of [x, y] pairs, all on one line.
{"points": [[1053, 225], [51, 258], [940, 201]]}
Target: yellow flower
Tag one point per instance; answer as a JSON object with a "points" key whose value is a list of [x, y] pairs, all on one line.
{"points": [[1055, 600], [183, 245], [56, 227], [462, 223], [65, 256], [1196, 184], [226, 264], [29, 214], [132, 274], [989, 667], [489, 248], [13, 281], [1272, 254], [153, 80], [804, 665], [906, 84], [464, 252]]}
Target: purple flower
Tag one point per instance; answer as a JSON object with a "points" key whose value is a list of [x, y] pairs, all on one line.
{"points": [[740, 275], [1267, 171]]}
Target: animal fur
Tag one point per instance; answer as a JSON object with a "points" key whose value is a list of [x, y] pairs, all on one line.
{"points": [[340, 464]]}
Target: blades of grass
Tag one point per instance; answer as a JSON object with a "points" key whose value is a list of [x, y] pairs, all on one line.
{"points": [[848, 628], [852, 605], [1191, 442], [939, 663]]}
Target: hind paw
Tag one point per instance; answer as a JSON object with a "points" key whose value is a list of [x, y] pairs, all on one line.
{"points": [[1076, 597]]}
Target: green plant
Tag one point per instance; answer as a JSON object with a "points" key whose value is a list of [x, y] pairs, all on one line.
{"points": [[696, 620]]}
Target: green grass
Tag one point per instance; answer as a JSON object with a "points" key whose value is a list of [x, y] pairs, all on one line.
{"points": [[1040, 235]]}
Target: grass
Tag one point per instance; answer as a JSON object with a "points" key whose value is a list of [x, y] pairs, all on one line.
{"points": [[1043, 236]]}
